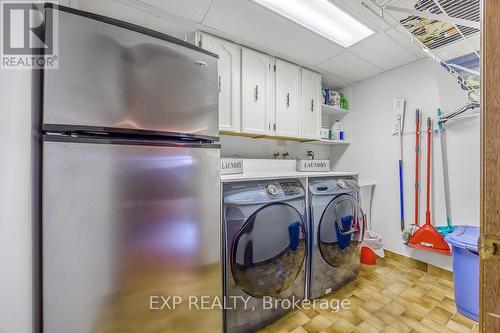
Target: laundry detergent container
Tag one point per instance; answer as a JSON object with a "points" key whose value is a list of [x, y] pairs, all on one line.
{"points": [[466, 269]]}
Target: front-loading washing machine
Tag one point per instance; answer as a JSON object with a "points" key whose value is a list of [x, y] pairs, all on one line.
{"points": [[337, 226], [265, 249]]}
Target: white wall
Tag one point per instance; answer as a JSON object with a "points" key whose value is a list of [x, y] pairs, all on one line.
{"points": [[15, 202], [16, 223], [375, 152], [234, 146]]}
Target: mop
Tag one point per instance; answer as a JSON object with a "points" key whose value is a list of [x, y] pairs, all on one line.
{"points": [[401, 195], [427, 237], [410, 230], [448, 228], [400, 164]]}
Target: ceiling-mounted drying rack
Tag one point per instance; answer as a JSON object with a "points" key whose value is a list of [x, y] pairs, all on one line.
{"points": [[446, 30]]}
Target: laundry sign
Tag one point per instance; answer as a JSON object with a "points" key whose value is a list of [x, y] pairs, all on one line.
{"points": [[230, 166], [313, 165]]}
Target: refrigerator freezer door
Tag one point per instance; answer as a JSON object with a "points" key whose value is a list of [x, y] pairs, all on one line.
{"points": [[116, 78], [124, 225]]}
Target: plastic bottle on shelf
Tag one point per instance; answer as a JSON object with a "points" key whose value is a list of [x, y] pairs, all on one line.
{"points": [[337, 131], [343, 102]]}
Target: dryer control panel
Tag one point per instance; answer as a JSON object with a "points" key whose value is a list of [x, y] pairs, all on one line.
{"points": [[287, 189], [291, 188], [272, 190]]}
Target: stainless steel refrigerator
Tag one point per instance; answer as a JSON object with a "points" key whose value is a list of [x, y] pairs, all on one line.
{"points": [[130, 180]]}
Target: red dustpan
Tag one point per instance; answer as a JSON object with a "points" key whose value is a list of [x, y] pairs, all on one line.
{"points": [[427, 237]]}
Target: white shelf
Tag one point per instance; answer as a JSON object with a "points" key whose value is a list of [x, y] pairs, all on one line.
{"points": [[331, 142], [332, 110], [245, 176]]}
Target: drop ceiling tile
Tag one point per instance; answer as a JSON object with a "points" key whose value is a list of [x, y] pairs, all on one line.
{"points": [[250, 23], [403, 37], [138, 14], [365, 12], [193, 10], [334, 81], [397, 16], [381, 50], [350, 66]]}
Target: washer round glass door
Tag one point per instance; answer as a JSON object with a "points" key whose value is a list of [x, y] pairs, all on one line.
{"points": [[340, 230], [269, 250]]}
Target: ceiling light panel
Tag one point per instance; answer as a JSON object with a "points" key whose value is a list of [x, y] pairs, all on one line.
{"points": [[321, 17]]}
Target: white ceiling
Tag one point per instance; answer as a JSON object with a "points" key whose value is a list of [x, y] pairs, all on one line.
{"points": [[351, 66], [245, 22], [257, 26], [193, 10]]}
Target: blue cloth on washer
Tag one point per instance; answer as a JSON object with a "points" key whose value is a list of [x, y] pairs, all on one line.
{"points": [[294, 233], [344, 240]]}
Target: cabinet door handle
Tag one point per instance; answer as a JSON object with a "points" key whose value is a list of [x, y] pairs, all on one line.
{"points": [[256, 94], [288, 100], [312, 105], [219, 83]]}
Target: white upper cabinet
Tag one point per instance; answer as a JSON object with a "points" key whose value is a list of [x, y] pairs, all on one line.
{"points": [[229, 81], [311, 105], [288, 96], [260, 95], [256, 93]]}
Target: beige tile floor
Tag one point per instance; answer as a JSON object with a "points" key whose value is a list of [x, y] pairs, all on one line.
{"points": [[389, 297]]}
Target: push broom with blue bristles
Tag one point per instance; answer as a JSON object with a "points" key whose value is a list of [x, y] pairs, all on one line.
{"points": [[448, 228]]}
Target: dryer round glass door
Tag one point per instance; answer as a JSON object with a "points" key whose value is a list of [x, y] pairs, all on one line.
{"points": [[269, 250], [340, 230]]}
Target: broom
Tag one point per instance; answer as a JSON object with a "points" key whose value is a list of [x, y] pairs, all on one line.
{"points": [[427, 237]]}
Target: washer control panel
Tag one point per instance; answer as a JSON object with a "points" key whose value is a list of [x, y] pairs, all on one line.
{"points": [[334, 185], [342, 184]]}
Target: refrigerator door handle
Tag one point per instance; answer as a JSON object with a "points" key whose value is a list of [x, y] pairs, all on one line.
{"points": [[121, 140]]}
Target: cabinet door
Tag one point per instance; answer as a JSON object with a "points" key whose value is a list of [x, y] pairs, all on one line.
{"points": [[256, 78], [287, 99], [229, 81], [311, 105]]}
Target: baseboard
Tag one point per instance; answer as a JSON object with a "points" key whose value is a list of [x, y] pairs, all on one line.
{"points": [[420, 265]]}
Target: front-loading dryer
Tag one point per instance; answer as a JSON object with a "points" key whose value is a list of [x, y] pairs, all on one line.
{"points": [[265, 249], [337, 226]]}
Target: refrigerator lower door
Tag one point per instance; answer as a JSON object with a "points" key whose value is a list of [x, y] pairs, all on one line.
{"points": [[126, 228]]}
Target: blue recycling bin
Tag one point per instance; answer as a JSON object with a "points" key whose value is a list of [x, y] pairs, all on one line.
{"points": [[463, 242]]}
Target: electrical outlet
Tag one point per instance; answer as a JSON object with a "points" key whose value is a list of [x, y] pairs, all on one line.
{"points": [[398, 115]]}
